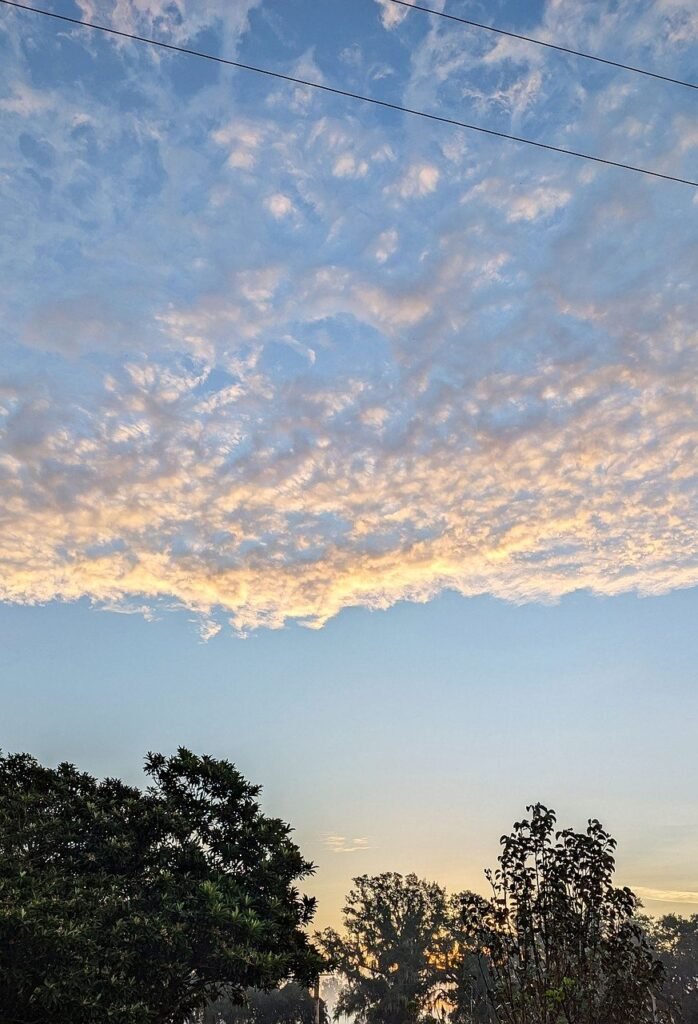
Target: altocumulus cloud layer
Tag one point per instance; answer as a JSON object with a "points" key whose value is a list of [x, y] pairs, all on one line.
{"points": [[269, 354]]}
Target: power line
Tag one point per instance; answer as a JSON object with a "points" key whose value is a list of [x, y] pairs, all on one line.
{"points": [[350, 95], [542, 42]]}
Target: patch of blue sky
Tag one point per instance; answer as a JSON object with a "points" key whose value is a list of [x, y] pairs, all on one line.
{"points": [[276, 290], [138, 213]]}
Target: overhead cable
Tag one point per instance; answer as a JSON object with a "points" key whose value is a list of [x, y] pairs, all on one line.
{"points": [[544, 42], [350, 95]]}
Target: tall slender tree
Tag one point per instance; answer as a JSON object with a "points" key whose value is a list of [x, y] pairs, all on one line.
{"points": [[557, 943]]}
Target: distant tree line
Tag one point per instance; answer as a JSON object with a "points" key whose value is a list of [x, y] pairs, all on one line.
{"points": [[289, 1004], [555, 943], [179, 905], [675, 939]]}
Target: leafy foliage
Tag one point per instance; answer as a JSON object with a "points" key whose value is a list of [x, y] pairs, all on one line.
{"points": [[676, 941], [290, 1004], [130, 907], [557, 943], [399, 955], [389, 953]]}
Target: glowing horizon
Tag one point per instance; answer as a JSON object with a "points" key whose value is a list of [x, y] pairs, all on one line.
{"points": [[275, 360]]}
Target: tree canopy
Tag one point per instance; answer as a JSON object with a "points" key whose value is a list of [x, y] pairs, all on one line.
{"points": [[137, 907], [399, 956], [557, 942], [675, 940], [290, 1004]]}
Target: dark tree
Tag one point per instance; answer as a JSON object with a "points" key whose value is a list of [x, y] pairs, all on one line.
{"points": [[397, 955], [465, 991], [120, 906], [290, 1004], [557, 942], [676, 942]]}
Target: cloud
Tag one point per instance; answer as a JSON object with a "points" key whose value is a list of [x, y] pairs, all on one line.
{"points": [[340, 844], [530, 487], [665, 895], [346, 166], [470, 366], [386, 244], [418, 180], [521, 204], [177, 20], [391, 14], [26, 101], [208, 628], [279, 205], [242, 138]]}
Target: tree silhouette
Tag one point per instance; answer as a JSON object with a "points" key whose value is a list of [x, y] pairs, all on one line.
{"points": [[557, 942], [290, 1004], [676, 942], [389, 956], [130, 907]]}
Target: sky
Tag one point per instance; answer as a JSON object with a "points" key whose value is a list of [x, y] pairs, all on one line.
{"points": [[354, 447]]}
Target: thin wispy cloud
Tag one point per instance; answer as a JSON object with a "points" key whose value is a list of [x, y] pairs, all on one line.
{"points": [[666, 895], [340, 844], [290, 356], [391, 14]]}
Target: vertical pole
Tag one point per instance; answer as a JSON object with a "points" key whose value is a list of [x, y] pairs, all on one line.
{"points": [[316, 997]]}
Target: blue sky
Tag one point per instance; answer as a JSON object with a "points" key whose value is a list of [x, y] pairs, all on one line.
{"points": [[355, 447]]}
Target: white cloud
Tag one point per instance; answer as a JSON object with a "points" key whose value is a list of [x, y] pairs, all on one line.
{"points": [[524, 486], [536, 203], [26, 101], [208, 628], [679, 21], [686, 133], [180, 20], [346, 166], [279, 205], [418, 180], [393, 398], [242, 138], [391, 14], [516, 98], [520, 202], [340, 844], [386, 244]]}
